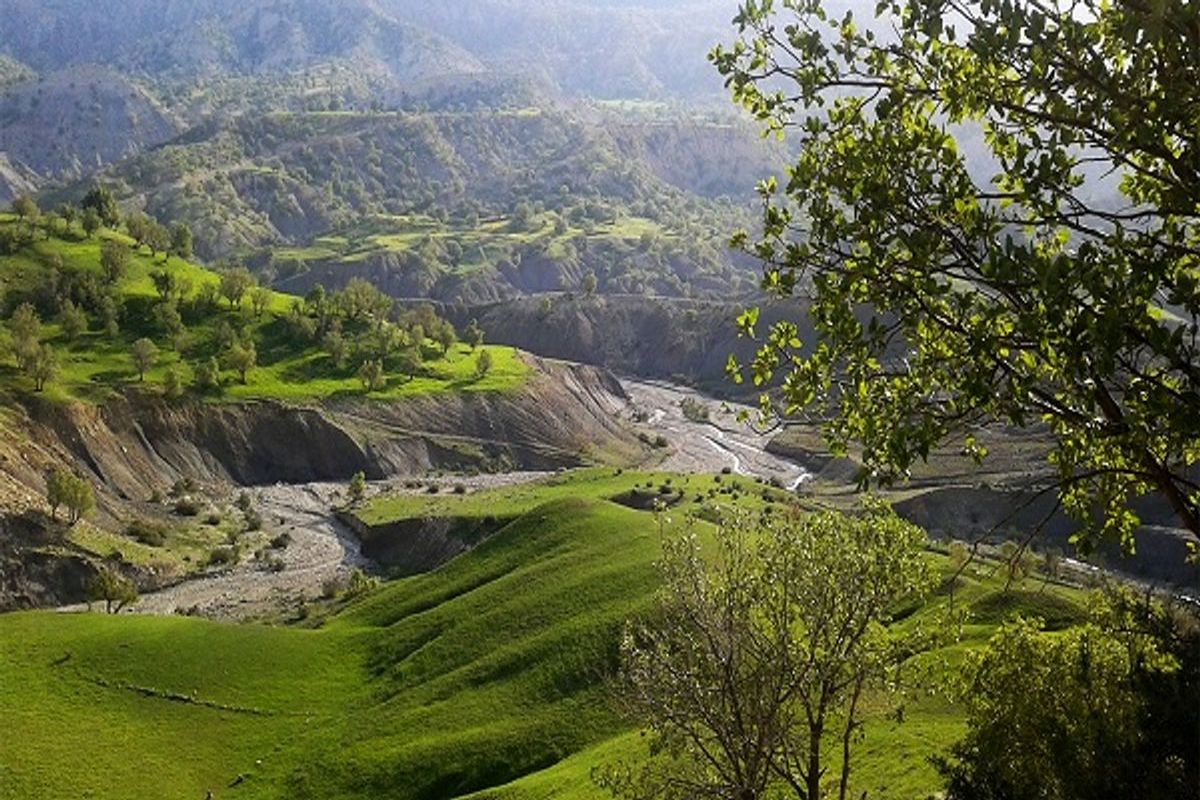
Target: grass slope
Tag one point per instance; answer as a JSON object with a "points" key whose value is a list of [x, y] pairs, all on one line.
{"points": [[484, 677], [95, 365]]}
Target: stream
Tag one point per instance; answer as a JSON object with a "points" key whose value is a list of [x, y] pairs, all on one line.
{"points": [[322, 549]]}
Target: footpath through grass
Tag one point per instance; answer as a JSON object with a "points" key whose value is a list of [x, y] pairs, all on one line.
{"points": [[486, 676]]}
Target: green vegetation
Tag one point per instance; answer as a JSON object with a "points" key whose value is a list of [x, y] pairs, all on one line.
{"points": [[486, 673], [1021, 298], [93, 315]]}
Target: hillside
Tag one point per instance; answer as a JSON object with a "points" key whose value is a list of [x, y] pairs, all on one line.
{"points": [[485, 676]]}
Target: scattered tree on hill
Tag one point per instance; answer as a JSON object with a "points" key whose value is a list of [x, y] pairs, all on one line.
{"points": [[73, 320], [64, 488], [138, 226], [242, 357], [100, 200], [145, 355], [42, 366], [69, 214], [408, 361], [173, 384], [114, 261], [110, 315], [90, 221], [158, 239], [113, 589], [473, 335], [361, 299], [1105, 709], [589, 284], [357, 489], [260, 298], [760, 657], [445, 336], [208, 375], [26, 208], [1022, 298], [181, 241], [164, 283], [168, 318], [234, 285], [483, 364], [25, 329], [372, 375], [335, 345]]}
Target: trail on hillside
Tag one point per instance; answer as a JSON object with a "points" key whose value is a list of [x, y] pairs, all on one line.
{"points": [[721, 443]]}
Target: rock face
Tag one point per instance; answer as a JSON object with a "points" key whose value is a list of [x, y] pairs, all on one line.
{"points": [[132, 446]]}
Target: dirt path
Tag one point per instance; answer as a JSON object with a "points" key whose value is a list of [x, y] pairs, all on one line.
{"points": [[721, 443]]}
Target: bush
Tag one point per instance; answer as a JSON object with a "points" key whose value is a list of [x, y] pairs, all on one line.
{"points": [[222, 556], [253, 520], [183, 486], [460, 489], [433, 488], [187, 507], [147, 533], [660, 441], [213, 519], [281, 541]]}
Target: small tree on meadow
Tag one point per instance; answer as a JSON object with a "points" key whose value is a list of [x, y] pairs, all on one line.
{"points": [[408, 361], [208, 375], [372, 375], [114, 261], [26, 208], [25, 329], [173, 384], [145, 354], [260, 298], [483, 364], [181, 241], [241, 358], [234, 285], [73, 320], [762, 654], [42, 366], [113, 589], [473, 335], [90, 221], [446, 337]]}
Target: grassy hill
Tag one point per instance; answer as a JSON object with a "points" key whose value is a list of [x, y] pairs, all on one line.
{"points": [[485, 677], [54, 262]]}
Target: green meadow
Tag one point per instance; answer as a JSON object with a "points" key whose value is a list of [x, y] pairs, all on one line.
{"points": [[96, 365], [486, 678]]}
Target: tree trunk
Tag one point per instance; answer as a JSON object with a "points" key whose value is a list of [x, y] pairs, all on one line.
{"points": [[813, 778]]}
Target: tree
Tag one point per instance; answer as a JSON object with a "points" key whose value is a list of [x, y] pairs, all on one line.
{"points": [[483, 364], [372, 375], [445, 337], [56, 490], [90, 221], [260, 298], [181, 241], [786, 628], [42, 366], [167, 317], [335, 345], [208, 375], [408, 361], [357, 488], [145, 354], [64, 488], [114, 261], [101, 201], [26, 208], [158, 239], [25, 329], [473, 335], [941, 299], [1105, 709], [73, 320], [173, 384], [589, 284], [234, 285], [69, 214], [138, 225], [110, 315], [241, 358], [113, 589]]}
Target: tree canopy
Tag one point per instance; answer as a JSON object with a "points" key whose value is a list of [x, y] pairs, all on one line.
{"points": [[948, 290]]}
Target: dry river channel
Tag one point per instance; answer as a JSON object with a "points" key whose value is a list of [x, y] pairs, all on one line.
{"points": [[322, 549]]}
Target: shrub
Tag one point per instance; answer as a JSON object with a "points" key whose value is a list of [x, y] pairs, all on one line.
{"points": [[187, 507], [281, 541], [147, 533], [253, 520], [222, 556], [460, 489]]}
